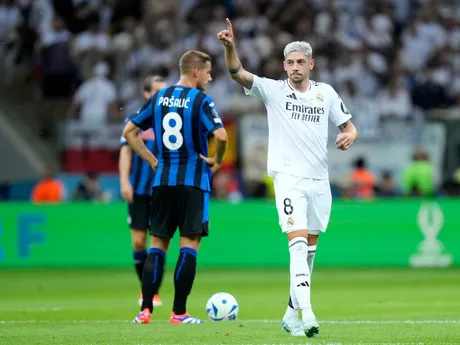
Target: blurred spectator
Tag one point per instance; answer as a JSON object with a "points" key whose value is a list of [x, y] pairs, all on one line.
{"points": [[10, 18], [225, 186], [58, 72], [48, 190], [88, 189], [388, 59], [427, 93], [97, 98], [394, 99], [89, 47], [418, 177], [362, 180], [386, 187]]}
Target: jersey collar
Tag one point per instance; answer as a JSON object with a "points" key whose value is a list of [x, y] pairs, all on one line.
{"points": [[302, 93]]}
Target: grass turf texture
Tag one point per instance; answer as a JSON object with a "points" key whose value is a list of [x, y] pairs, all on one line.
{"points": [[95, 306]]}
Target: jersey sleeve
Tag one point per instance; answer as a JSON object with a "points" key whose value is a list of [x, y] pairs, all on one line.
{"points": [[261, 88], [144, 117], [339, 113], [209, 116]]}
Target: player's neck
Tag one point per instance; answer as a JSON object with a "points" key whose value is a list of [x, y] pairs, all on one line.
{"points": [[185, 81], [302, 87]]}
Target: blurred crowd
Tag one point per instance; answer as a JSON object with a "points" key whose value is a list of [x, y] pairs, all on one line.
{"points": [[386, 58], [398, 54]]}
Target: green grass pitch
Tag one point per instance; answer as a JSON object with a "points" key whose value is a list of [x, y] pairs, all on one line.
{"points": [[353, 306]]}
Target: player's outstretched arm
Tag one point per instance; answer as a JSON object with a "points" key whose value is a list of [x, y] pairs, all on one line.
{"points": [[238, 73], [347, 137], [130, 133]]}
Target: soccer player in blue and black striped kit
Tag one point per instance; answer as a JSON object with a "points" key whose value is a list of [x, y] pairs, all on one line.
{"points": [[136, 181], [182, 117]]}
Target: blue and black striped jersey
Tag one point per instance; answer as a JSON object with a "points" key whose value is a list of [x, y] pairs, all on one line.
{"points": [[182, 119], [142, 174]]}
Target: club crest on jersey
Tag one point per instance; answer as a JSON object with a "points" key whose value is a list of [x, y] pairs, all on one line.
{"points": [[290, 221], [319, 97]]}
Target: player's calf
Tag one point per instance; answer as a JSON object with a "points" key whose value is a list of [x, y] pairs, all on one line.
{"points": [[184, 275], [138, 238], [152, 276]]}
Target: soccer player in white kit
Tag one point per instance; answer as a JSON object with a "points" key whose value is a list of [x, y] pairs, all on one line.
{"points": [[298, 111]]}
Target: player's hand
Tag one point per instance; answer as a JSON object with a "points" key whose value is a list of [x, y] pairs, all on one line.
{"points": [[127, 192], [154, 165], [212, 162], [344, 141], [226, 36]]}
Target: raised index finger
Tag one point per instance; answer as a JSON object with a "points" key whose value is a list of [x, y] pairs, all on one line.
{"points": [[229, 25]]}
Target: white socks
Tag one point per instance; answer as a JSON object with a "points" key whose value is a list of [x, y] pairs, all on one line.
{"points": [[300, 273], [292, 310], [311, 258]]}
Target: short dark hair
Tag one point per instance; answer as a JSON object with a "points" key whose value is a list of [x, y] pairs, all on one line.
{"points": [[193, 59], [147, 84]]}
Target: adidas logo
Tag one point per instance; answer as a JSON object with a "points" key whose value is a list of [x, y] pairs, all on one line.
{"points": [[305, 283], [292, 95]]}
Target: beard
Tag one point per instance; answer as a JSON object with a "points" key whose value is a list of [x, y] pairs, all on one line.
{"points": [[296, 78], [200, 87]]}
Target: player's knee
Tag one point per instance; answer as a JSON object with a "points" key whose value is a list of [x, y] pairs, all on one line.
{"points": [[297, 233], [312, 239], [138, 240], [160, 242], [138, 245], [298, 245], [191, 241]]}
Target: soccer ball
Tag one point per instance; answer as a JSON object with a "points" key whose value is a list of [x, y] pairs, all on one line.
{"points": [[222, 306]]}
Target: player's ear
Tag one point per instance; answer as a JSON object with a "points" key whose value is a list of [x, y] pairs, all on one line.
{"points": [[195, 72], [312, 64], [285, 66]]}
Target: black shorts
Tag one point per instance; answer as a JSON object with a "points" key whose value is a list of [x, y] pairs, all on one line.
{"points": [[183, 207], [139, 212]]}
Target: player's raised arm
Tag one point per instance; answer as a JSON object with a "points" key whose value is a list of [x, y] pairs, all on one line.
{"points": [[143, 120], [238, 73]]}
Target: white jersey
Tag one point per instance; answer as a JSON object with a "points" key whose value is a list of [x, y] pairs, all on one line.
{"points": [[298, 125]]}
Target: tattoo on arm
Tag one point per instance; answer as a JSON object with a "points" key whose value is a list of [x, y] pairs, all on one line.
{"points": [[344, 125], [235, 70]]}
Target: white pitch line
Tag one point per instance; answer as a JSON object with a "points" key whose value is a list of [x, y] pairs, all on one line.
{"points": [[39, 309], [337, 322]]}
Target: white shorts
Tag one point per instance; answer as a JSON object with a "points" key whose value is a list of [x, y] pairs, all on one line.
{"points": [[302, 203]]}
